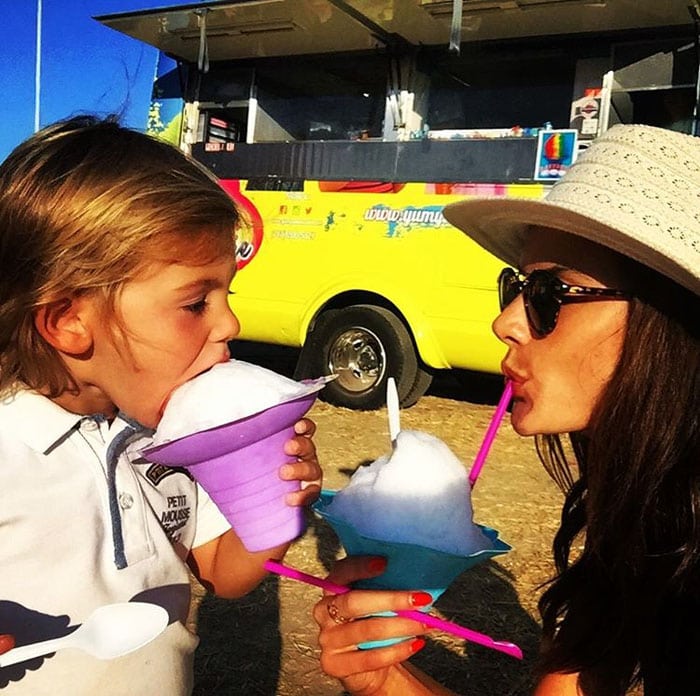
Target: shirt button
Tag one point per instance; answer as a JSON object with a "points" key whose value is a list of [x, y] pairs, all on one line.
{"points": [[126, 500], [89, 424]]}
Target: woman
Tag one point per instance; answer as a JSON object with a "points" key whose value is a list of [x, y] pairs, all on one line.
{"points": [[601, 327]]}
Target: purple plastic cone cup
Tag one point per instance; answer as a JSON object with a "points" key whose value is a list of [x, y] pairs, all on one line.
{"points": [[238, 465]]}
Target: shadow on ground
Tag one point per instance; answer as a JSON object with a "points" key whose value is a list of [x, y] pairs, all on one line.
{"points": [[240, 644]]}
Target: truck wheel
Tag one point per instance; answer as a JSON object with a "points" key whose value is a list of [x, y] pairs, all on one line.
{"points": [[424, 378], [364, 345]]}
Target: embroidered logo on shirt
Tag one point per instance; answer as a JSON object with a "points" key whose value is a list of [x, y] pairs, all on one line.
{"points": [[157, 472], [176, 516]]}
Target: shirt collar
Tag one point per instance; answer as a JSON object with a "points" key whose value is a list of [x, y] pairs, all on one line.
{"points": [[36, 420]]}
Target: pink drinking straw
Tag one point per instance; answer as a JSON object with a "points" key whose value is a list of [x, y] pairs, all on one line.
{"points": [[426, 619], [491, 433]]}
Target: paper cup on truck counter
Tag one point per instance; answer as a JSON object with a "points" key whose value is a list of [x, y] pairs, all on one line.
{"points": [[236, 458]]}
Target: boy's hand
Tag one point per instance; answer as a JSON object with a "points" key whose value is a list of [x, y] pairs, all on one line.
{"points": [[306, 467]]}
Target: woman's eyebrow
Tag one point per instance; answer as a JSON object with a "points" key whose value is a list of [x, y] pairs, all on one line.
{"points": [[554, 268]]}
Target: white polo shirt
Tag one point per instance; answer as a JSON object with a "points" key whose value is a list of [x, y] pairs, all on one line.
{"points": [[85, 521]]}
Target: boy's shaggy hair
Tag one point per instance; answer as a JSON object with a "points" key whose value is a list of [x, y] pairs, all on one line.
{"points": [[85, 205]]}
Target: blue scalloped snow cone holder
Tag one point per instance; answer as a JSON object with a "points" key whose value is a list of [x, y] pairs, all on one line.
{"points": [[409, 566]]}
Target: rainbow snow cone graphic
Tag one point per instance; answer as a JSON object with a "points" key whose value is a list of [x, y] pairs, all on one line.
{"points": [[556, 152], [237, 462]]}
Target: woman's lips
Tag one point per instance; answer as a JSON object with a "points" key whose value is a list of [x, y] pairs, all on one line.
{"points": [[516, 380], [512, 375]]}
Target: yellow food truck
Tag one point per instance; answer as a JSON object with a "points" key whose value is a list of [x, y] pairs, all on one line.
{"points": [[343, 128], [371, 284]]}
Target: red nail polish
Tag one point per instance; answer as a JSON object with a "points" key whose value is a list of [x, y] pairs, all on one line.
{"points": [[421, 599], [377, 565], [417, 644]]}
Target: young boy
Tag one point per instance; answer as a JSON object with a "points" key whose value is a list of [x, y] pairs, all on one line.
{"points": [[116, 255]]}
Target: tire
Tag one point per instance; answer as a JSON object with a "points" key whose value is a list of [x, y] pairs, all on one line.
{"points": [[364, 345], [424, 378]]}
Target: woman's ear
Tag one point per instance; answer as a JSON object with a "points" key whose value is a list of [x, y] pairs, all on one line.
{"points": [[62, 324]]}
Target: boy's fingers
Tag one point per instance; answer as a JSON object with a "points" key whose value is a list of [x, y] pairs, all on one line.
{"points": [[300, 447], [305, 427], [306, 496], [302, 470]]}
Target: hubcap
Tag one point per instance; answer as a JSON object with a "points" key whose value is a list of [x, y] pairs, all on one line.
{"points": [[358, 358]]}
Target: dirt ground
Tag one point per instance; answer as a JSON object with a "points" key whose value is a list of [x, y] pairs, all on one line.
{"points": [[265, 644]]}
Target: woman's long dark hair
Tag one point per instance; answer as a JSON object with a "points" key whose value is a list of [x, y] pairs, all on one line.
{"points": [[625, 603]]}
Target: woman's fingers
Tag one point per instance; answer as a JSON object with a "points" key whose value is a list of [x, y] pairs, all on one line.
{"points": [[344, 663], [348, 636], [341, 636], [7, 642], [352, 568], [361, 603], [348, 622]]}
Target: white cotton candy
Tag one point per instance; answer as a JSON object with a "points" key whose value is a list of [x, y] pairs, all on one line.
{"points": [[225, 393], [418, 494]]}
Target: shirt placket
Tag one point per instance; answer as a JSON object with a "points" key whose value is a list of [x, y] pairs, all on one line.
{"points": [[129, 530]]}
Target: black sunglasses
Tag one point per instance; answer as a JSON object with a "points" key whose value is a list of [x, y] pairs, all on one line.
{"points": [[544, 294]]}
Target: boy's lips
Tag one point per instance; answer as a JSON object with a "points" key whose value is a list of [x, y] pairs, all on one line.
{"points": [[197, 370]]}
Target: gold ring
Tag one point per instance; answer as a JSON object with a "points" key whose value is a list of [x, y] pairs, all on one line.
{"points": [[335, 614]]}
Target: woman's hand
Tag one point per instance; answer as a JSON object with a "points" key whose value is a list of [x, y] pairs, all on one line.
{"points": [[344, 623], [306, 467]]}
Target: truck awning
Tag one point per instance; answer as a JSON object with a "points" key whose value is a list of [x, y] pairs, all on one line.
{"points": [[229, 29], [247, 29]]}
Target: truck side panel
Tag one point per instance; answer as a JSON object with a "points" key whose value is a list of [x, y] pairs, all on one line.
{"points": [[384, 240]]}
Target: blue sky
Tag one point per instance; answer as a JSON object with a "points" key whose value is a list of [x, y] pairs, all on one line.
{"points": [[85, 66]]}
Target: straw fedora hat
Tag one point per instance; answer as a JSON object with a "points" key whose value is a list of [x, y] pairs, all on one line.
{"points": [[636, 190]]}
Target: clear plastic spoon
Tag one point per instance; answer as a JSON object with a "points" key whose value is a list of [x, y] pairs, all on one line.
{"points": [[392, 406], [110, 631]]}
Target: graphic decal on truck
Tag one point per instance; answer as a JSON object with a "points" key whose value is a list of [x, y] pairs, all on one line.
{"points": [[250, 234], [401, 220]]}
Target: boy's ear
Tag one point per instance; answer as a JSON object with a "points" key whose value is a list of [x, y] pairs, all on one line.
{"points": [[62, 325]]}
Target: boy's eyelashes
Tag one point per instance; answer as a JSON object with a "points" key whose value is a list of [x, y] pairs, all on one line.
{"points": [[198, 307]]}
